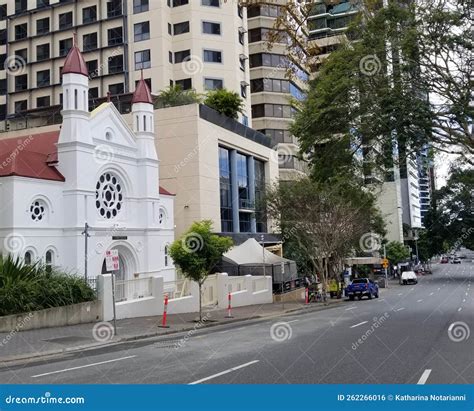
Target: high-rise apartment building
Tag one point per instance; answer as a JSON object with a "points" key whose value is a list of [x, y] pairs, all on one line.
{"points": [[400, 194], [200, 44], [426, 180], [273, 92]]}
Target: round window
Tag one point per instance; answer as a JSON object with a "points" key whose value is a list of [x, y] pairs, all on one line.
{"points": [[108, 196], [37, 210]]}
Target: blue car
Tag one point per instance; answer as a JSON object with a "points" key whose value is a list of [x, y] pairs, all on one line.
{"points": [[360, 287]]}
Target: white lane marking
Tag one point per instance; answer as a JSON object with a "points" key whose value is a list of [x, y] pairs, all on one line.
{"points": [[381, 299], [466, 293], [411, 289], [223, 332], [460, 308], [439, 288], [224, 372], [424, 377], [83, 366], [431, 293], [464, 300], [292, 321], [400, 309], [350, 308], [419, 301], [400, 293], [356, 325]]}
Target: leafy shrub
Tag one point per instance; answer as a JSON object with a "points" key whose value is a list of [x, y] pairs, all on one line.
{"points": [[226, 102], [25, 288], [175, 96]]}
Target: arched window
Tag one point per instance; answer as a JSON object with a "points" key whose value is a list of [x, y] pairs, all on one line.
{"points": [[166, 256], [49, 260], [28, 258]]}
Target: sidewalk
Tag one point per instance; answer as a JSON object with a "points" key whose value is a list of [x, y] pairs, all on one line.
{"points": [[49, 341]]}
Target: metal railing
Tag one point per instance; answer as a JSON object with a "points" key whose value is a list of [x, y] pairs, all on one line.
{"points": [[133, 289]]}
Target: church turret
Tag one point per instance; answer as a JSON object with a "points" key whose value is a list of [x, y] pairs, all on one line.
{"points": [[75, 81], [75, 145], [143, 120]]}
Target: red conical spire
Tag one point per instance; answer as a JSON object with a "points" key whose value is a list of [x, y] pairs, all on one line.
{"points": [[75, 61], [142, 93]]}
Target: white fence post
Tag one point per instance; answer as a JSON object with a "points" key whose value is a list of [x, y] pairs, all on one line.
{"points": [[104, 294]]}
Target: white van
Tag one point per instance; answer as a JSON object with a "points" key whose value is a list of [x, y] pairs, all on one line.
{"points": [[408, 277]]}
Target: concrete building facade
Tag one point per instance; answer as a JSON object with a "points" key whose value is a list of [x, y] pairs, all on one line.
{"points": [[195, 44], [272, 91], [218, 170]]}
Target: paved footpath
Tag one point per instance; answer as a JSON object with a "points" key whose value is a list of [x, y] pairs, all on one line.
{"points": [[49, 341]]}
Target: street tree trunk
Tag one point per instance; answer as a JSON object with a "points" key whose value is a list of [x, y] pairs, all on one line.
{"points": [[200, 300]]}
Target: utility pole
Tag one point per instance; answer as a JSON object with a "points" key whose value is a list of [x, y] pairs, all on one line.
{"points": [[385, 258], [262, 237], [86, 235]]}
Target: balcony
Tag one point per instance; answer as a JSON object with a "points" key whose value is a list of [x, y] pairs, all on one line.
{"points": [[246, 205]]}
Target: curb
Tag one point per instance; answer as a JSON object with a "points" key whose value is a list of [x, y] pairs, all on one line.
{"points": [[120, 340]]}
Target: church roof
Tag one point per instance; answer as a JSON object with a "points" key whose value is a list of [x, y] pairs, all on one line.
{"points": [[34, 156], [30, 156], [142, 93], [75, 62]]}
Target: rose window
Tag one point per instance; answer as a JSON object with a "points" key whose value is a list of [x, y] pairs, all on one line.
{"points": [[37, 210], [108, 196]]}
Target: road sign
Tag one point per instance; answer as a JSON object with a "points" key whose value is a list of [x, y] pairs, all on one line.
{"points": [[112, 260], [384, 263]]}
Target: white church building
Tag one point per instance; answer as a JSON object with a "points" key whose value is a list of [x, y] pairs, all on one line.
{"points": [[97, 171]]}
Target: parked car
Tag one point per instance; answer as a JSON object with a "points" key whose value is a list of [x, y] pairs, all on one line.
{"points": [[444, 260], [456, 260], [408, 277], [360, 287]]}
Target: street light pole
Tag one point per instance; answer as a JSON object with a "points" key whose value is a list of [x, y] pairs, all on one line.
{"points": [[262, 237], [86, 235], [385, 258]]}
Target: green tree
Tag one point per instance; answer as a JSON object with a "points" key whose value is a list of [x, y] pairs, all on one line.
{"points": [[397, 252], [176, 96], [322, 222], [226, 102], [450, 220], [375, 88], [197, 252]]}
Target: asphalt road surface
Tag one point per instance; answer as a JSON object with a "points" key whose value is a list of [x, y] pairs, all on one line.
{"points": [[418, 334]]}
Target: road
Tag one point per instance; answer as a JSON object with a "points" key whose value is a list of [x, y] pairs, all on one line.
{"points": [[411, 334]]}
